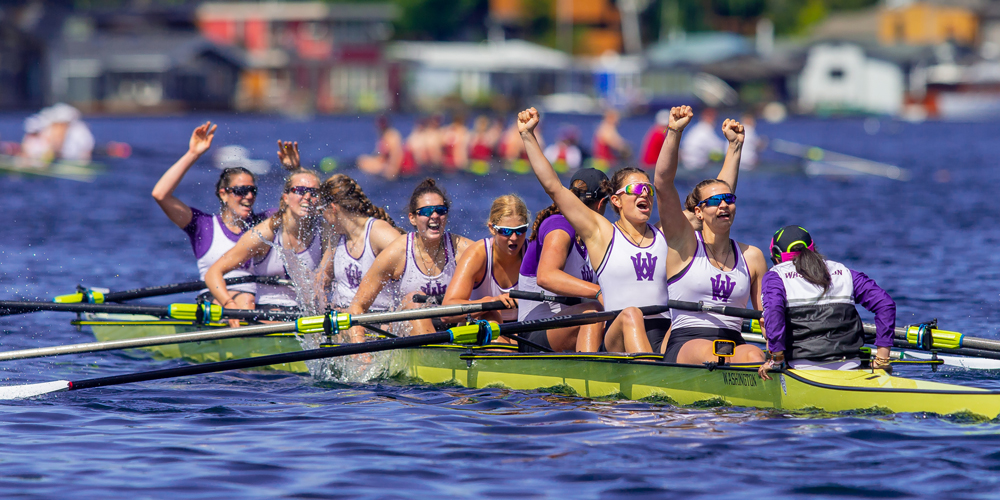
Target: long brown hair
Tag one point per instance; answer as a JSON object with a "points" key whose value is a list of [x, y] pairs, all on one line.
{"points": [[811, 265], [428, 185], [345, 192], [226, 177]]}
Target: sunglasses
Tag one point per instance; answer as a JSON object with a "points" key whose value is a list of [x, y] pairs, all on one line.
{"points": [[303, 190], [431, 210], [714, 201], [637, 189], [509, 231], [241, 191]]}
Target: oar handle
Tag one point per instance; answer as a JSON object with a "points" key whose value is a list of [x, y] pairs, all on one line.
{"points": [[421, 298], [736, 312], [541, 297]]}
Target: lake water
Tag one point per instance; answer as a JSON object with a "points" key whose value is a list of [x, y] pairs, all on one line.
{"points": [[930, 242]]}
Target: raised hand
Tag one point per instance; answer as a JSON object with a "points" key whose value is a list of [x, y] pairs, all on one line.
{"points": [[733, 130], [680, 117], [288, 154], [201, 138], [527, 120]]}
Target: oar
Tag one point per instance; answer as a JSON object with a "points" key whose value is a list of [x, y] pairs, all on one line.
{"points": [[848, 162], [737, 312], [330, 323], [92, 296], [478, 333], [541, 297], [202, 313]]}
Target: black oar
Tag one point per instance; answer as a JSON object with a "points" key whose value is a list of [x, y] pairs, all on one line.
{"points": [[478, 333], [202, 313], [330, 323], [97, 297], [737, 312]]}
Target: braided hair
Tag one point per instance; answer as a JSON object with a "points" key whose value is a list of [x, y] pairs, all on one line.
{"points": [[345, 192]]}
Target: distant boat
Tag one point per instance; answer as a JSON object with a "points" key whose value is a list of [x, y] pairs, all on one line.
{"points": [[75, 171]]}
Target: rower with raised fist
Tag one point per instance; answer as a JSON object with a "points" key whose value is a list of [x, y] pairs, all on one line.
{"points": [[706, 265], [810, 319], [628, 254]]}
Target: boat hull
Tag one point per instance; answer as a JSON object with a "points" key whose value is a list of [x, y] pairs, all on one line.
{"points": [[128, 326], [630, 378]]}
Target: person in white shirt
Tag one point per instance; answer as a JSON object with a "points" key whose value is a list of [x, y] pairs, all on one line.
{"points": [[701, 142]]}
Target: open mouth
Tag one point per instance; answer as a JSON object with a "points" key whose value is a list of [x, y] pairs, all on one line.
{"points": [[724, 215], [643, 205], [433, 225]]}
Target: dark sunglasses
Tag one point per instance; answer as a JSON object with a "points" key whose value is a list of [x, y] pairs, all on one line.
{"points": [[714, 201], [508, 231], [242, 191], [303, 190], [431, 209]]}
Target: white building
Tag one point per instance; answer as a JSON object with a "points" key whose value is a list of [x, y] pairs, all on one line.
{"points": [[842, 77]]}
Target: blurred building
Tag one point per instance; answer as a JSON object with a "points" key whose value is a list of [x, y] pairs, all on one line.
{"points": [[305, 56], [925, 23], [843, 78], [21, 70], [593, 26]]}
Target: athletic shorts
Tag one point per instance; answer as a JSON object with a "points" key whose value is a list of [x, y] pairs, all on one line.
{"points": [[656, 329], [539, 337], [680, 336]]}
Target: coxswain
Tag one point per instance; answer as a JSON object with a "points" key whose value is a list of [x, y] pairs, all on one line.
{"points": [[556, 263], [489, 269], [213, 235], [388, 158], [706, 265], [810, 320], [629, 253], [287, 244], [423, 261], [360, 231]]}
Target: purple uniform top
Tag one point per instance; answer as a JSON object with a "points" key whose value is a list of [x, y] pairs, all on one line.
{"points": [[866, 292], [533, 251], [211, 239]]}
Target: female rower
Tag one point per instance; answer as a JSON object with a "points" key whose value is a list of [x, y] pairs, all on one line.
{"points": [[287, 244], [212, 235], [556, 262], [422, 262], [706, 265], [627, 251], [489, 269], [361, 231], [809, 314]]}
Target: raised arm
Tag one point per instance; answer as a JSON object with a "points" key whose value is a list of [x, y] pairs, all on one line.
{"points": [[675, 225], [730, 173], [163, 192], [288, 154], [585, 221], [251, 245]]}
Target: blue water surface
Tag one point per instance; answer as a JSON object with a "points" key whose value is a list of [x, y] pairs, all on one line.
{"points": [[930, 242]]}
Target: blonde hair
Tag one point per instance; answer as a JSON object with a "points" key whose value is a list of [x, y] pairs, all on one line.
{"points": [[276, 219], [506, 206]]}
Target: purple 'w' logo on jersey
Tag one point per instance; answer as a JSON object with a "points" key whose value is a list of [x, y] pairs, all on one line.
{"points": [[353, 274], [722, 291], [644, 267], [586, 272], [434, 288]]}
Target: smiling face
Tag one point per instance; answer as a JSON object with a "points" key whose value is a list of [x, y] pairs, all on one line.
{"points": [[302, 195], [635, 208], [510, 245], [432, 227], [718, 218], [240, 206]]}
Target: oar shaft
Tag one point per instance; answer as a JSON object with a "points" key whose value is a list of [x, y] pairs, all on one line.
{"points": [[273, 359], [430, 312], [180, 338], [190, 286], [163, 311]]}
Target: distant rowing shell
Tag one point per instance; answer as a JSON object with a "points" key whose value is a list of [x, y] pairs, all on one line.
{"points": [[83, 172]]}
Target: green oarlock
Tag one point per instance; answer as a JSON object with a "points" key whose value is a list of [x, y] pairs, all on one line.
{"points": [[189, 312], [469, 334], [941, 339], [315, 324], [755, 327]]}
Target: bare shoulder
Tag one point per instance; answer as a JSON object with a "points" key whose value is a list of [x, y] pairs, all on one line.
{"points": [[754, 256], [461, 243]]}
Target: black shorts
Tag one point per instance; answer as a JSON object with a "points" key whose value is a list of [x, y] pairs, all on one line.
{"points": [[540, 337], [680, 336], [656, 329]]}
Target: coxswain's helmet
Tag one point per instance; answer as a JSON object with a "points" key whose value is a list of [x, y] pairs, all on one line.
{"points": [[786, 238]]}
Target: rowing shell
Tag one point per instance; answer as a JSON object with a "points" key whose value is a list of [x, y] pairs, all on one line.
{"points": [[107, 327], [641, 377]]}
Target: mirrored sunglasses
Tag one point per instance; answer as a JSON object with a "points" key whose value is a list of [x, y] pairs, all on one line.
{"points": [[637, 189], [241, 191], [431, 209], [508, 231], [716, 200], [303, 190]]}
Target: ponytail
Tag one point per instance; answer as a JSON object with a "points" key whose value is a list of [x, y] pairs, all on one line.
{"points": [[811, 265], [583, 192]]}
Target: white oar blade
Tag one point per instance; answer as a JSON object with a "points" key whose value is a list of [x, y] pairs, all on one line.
{"points": [[31, 390]]}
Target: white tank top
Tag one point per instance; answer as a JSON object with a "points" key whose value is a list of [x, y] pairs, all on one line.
{"points": [[299, 267], [701, 281], [348, 271], [634, 276], [220, 245], [577, 265], [489, 287], [414, 280]]}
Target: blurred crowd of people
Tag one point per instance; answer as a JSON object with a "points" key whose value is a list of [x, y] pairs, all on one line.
{"points": [[55, 133]]}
